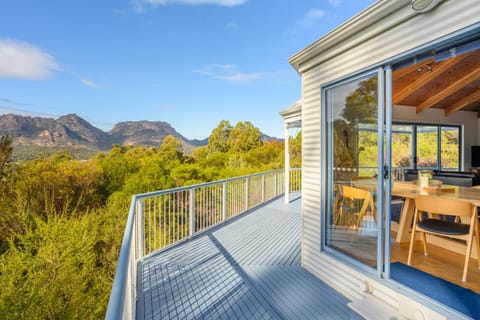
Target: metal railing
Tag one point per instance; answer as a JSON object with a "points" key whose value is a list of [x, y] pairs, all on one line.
{"points": [[160, 219], [397, 172]]}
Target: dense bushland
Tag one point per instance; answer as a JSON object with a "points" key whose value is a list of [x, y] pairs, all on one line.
{"points": [[62, 220]]}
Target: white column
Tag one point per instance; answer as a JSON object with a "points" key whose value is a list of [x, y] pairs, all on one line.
{"points": [[287, 166]]}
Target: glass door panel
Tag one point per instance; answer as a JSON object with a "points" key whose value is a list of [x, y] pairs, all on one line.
{"points": [[367, 150], [352, 168], [427, 147], [450, 148]]}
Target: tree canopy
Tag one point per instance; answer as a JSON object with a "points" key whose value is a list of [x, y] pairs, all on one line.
{"points": [[62, 220]]}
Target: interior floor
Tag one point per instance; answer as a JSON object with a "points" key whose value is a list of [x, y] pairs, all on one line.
{"points": [[440, 262]]}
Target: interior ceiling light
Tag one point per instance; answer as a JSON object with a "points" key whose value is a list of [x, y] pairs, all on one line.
{"points": [[423, 5]]}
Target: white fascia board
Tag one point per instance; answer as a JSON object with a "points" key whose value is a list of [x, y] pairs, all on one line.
{"points": [[361, 21]]}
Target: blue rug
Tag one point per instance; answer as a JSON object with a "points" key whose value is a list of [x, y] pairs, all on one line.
{"points": [[464, 300]]}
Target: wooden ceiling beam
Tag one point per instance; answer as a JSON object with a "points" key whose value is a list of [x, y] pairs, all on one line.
{"points": [[397, 74], [463, 103], [427, 77], [459, 84]]}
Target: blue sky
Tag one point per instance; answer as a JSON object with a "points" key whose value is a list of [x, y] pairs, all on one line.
{"points": [[191, 63]]}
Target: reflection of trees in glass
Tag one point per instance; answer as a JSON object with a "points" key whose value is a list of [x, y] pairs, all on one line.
{"points": [[343, 146], [360, 108], [361, 104]]}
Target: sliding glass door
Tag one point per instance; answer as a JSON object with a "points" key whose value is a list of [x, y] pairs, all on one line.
{"points": [[354, 151]]}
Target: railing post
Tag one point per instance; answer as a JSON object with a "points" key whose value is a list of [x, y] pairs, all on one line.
{"points": [[224, 201], [275, 182], [140, 230], [246, 194], [263, 188], [191, 212], [287, 165], [286, 187]]}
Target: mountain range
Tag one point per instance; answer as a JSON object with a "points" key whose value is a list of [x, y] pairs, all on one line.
{"points": [[34, 135]]}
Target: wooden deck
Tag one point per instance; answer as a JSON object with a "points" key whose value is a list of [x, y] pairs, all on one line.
{"points": [[248, 268]]}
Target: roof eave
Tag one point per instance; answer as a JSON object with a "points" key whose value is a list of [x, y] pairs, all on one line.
{"points": [[369, 16], [295, 108]]}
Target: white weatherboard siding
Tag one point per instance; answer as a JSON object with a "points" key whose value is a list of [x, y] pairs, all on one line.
{"points": [[384, 31]]}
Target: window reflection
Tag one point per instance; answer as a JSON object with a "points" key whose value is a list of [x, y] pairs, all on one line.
{"points": [[352, 163]]}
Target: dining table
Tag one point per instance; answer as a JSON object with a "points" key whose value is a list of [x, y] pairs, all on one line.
{"points": [[409, 190]]}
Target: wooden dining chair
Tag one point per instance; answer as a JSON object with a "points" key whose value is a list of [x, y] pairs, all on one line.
{"points": [[357, 202], [337, 204], [477, 187], [359, 179], [364, 182], [436, 206]]}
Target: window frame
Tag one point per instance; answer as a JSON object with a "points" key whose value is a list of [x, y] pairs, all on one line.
{"points": [[439, 126], [327, 158]]}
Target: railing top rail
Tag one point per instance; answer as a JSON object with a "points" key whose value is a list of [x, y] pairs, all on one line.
{"points": [[205, 184], [117, 295]]}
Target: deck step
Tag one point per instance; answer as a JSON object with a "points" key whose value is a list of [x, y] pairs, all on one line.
{"points": [[372, 308]]}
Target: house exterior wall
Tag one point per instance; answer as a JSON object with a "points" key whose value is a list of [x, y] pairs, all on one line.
{"points": [[384, 31]]}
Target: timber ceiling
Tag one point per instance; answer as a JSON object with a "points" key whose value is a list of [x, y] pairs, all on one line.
{"points": [[451, 85]]}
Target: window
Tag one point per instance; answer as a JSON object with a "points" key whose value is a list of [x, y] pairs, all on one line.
{"points": [[426, 146]]}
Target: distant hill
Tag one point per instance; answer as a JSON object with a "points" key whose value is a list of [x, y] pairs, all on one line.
{"points": [[145, 133], [35, 135]]}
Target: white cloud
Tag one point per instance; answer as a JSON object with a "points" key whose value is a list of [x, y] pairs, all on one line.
{"points": [[13, 102], [22, 108], [90, 83], [230, 73], [310, 20], [141, 5], [23, 60], [232, 25], [335, 3], [22, 112]]}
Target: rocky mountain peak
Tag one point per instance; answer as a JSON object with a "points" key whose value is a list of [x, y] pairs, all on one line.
{"points": [[73, 132]]}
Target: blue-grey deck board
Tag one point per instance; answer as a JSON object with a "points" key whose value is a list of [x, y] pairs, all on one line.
{"points": [[247, 269]]}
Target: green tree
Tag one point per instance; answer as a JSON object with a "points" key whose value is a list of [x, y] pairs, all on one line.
{"points": [[244, 137], [6, 149], [57, 185], [296, 150], [118, 164], [51, 272], [219, 139], [171, 149]]}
